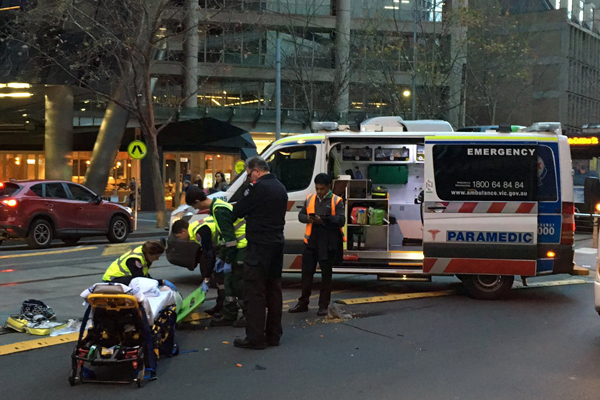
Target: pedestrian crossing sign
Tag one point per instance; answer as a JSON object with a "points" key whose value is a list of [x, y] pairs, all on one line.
{"points": [[137, 149]]}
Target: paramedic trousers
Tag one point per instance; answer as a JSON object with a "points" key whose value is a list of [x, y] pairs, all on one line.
{"points": [[309, 267], [262, 291], [234, 286]]}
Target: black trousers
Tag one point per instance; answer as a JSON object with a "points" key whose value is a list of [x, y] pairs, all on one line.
{"points": [[262, 292], [309, 267]]}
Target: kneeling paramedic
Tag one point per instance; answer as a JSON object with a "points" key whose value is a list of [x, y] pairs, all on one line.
{"points": [[232, 239], [204, 232], [136, 263], [323, 214]]}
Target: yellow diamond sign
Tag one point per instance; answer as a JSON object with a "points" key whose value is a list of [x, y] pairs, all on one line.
{"points": [[137, 149]]}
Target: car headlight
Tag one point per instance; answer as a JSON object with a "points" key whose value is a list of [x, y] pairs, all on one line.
{"points": [[129, 210]]}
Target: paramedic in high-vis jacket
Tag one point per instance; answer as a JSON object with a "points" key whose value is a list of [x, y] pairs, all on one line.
{"points": [[230, 260], [204, 232], [136, 263], [323, 213]]}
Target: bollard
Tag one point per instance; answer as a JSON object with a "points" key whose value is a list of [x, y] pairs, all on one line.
{"points": [[595, 234]]}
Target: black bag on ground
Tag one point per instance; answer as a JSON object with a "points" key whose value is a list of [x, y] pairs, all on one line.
{"points": [[33, 307]]}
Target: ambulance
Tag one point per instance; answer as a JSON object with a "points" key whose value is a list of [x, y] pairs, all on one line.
{"points": [[422, 200]]}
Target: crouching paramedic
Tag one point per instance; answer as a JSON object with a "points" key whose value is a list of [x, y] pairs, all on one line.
{"points": [[204, 232], [136, 263], [232, 241]]}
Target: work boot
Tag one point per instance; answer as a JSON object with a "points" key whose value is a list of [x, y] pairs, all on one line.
{"points": [[221, 322], [215, 310], [245, 344], [322, 311], [240, 323], [298, 308]]}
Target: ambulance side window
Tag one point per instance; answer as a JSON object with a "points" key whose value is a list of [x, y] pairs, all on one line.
{"points": [[294, 166], [485, 172], [547, 188]]}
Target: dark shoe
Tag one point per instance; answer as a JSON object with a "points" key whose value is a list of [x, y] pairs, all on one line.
{"points": [[322, 311], [298, 308], [273, 343], [221, 322], [240, 323], [214, 310], [245, 344]]}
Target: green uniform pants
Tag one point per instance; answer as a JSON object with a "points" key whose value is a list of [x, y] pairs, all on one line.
{"points": [[234, 298]]}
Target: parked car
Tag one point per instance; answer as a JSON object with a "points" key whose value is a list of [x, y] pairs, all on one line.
{"points": [[40, 211]]}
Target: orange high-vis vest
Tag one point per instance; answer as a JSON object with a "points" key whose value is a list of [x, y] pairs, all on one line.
{"points": [[310, 209]]}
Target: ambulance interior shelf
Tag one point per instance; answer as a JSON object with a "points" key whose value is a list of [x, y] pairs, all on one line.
{"points": [[367, 218]]}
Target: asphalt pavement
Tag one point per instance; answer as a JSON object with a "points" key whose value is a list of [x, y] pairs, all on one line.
{"points": [[542, 342]]}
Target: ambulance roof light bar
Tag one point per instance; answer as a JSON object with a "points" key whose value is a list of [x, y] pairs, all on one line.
{"points": [[548, 127], [318, 126]]}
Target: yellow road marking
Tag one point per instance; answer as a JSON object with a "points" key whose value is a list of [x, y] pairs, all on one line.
{"points": [[118, 249], [395, 297], [37, 343], [565, 282], [46, 253]]}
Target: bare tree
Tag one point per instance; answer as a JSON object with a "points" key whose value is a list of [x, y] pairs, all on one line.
{"points": [[307, 52], [499, 68], [109, 47], [391, 60]]}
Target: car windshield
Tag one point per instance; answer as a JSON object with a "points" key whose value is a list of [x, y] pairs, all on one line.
{"points": [[8, 189]]}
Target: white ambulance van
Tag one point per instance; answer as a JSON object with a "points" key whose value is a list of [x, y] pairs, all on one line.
{"points": [[482, 206]]}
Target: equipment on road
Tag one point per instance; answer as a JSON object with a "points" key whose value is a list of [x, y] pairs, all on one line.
{"points": [[122, 333], [190, 303]]}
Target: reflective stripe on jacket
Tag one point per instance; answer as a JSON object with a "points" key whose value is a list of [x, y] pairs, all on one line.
{"points": [[195, 226], [239, 227], [310, 209], [119, 267]]}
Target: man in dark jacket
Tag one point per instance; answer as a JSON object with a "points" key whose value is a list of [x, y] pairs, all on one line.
{"points": [[263, 206], [323, 214]]}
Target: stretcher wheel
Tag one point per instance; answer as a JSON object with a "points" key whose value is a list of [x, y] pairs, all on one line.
{"points": [[140, 377], [72, 376]]}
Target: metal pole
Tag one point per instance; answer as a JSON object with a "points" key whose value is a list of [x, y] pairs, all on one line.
{"points": [[278, 90], [136, 197], [595, 234], [414, 66]]}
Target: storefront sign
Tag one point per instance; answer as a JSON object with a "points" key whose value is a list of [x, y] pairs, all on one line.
{"points": [[584, 141]]}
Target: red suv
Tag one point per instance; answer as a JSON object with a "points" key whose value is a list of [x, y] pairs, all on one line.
{"points": [[40, 211]]}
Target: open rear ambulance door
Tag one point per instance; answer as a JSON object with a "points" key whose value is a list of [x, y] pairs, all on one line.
{"points": [[480, 210]]}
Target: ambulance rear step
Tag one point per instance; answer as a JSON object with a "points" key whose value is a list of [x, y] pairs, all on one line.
{"points": [[405, 278]]}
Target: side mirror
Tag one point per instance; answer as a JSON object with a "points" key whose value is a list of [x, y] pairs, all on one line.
{"points": [[98, 200]]}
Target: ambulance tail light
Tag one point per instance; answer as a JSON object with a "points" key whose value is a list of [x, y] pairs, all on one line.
{"points": [[568, 224]]}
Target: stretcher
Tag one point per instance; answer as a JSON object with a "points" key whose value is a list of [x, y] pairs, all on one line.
{"points": [[190, 303]]}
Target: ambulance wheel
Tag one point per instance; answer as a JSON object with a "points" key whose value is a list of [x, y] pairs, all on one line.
{"points": [[488, 287]]}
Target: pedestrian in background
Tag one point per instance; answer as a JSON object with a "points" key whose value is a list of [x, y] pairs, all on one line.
{"points": [[324, 216], [263, 206], [198, 181], [220, 182], [132, 187]]}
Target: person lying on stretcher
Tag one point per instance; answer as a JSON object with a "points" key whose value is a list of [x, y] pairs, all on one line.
{"points": [[136, 263]]}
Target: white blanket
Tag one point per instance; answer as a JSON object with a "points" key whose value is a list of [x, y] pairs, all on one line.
{"points": [[154, 299]]}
